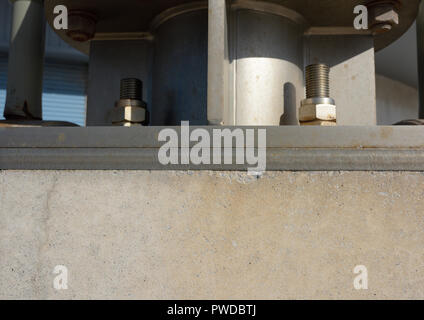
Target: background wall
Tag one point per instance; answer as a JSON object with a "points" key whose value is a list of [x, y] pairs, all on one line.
{"points": [[397, 80], [396, 101], [65, 74]]}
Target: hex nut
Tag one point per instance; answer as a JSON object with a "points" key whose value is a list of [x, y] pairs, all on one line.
{"points": [[127, 124], [383, 15], [321, 123], [311, 112], [386, 15], [326, 112], [307, 112], [128, 114], [81, 25]]}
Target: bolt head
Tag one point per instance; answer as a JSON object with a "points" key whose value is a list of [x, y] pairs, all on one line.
{"points": [[383, 16]]}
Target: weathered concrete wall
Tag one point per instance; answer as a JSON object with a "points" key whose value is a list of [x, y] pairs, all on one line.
{"points": [[395, 101], [206, 235]]}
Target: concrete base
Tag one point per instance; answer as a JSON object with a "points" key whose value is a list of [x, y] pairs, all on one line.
{"points": [[211, 235]]}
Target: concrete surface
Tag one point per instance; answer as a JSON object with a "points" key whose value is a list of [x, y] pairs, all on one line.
{"points": [[207, 235]]}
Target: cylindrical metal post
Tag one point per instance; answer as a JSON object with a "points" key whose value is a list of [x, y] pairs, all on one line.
{"points": [[420, 42], [180, 70], [267, 65], [218, 62], [26, 55]]}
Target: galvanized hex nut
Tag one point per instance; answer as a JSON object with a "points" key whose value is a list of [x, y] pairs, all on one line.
{"points": [[386, 14], [127, 124], [81, 25], [383, 15], [128, 114], [317, 111], [321, 123], [307, 112], [326, 112]]}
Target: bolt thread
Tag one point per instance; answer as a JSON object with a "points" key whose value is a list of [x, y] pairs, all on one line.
{"points": [[131, 88], [317, 81]]}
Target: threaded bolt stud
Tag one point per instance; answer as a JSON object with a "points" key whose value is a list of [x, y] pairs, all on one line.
{"points": [[131, 89], [318, 108], [317, 81], [130, 110]]}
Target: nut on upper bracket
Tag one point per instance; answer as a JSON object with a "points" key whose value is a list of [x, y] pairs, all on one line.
{"points": [[383, 15], [81, 25]]}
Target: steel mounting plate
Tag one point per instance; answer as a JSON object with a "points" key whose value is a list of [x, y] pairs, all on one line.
{"points": [[127, 16]]}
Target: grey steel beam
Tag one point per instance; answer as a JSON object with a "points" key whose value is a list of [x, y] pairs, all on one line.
{"points": [[147, 159], [26, 55], [366, 137], [288, 148]]}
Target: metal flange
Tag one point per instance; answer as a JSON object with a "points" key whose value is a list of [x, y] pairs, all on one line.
{"points": [[135, 17]]}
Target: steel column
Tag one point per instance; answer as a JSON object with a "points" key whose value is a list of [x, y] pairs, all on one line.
{"points": [[218, 61], [26, 55], [420, 46]]}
